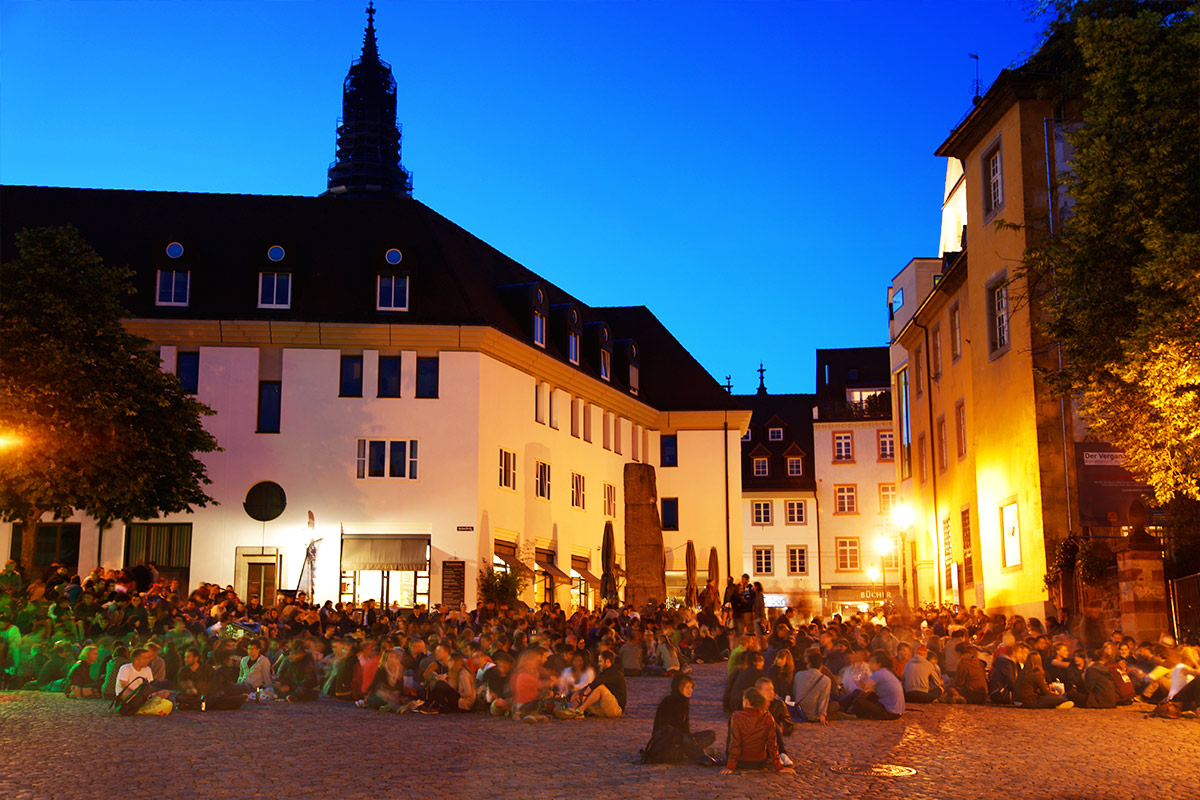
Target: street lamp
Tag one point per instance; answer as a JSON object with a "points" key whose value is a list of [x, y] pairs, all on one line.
{"points": [[884, 545], [903, 515]]}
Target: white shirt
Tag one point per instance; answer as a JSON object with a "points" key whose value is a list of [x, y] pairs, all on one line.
{"points": [[127, 674], [1181, 676]]}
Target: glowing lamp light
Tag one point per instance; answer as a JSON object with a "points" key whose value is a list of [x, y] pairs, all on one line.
{"points": [[873, 574], [10, 440], [884, 545], [902, 515]]}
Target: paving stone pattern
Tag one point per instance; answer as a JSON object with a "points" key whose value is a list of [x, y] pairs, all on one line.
{"points": [[51, 747]]}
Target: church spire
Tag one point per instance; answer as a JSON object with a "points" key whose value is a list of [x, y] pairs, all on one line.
{"points": [[368, 138]]}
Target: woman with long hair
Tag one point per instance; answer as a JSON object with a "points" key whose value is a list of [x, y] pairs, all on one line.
{"points": [[672, 723], [1031, 690], [782, 672]]}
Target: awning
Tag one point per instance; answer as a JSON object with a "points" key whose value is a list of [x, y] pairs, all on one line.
{"points": [[361, 552], [587, 576], [513, 563], [553, 571]]}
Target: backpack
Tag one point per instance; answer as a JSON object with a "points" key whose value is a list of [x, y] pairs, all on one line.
{"points": [[134, 696], [664, 747]]}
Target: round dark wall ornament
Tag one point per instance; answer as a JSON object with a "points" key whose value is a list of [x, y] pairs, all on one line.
{"points": [[265, 501]]}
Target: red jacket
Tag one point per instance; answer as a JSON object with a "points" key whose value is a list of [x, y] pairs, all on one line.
{"points": [[752, 738]]}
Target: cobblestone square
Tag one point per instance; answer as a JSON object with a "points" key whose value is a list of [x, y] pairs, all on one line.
{"points": [[55, 748]]}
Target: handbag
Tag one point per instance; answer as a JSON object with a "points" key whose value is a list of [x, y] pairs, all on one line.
{"points": [[130, 700]]}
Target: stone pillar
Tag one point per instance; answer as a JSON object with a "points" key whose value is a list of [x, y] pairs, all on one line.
{"points": [[644, 575], [1143, 588]]}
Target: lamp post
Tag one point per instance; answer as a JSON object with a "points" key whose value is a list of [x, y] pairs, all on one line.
{"points": [[884, 545], [902, 515], [873, 574]]}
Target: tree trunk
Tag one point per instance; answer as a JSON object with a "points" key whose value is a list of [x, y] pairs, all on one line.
{"points": [[29, 541]]}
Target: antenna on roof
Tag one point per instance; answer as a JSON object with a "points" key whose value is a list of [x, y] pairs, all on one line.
{"points": [[729, 384], [977, 98]]}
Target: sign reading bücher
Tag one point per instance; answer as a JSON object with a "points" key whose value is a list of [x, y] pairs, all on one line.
{"points": [[454, 582]]}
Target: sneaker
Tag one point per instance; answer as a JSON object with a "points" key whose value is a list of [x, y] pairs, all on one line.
{"points": [[1188, 715], [1067, 704], [360, 703], [786, 760]]}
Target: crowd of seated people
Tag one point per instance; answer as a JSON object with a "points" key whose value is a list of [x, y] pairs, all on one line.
{"points": [[210, 650]]}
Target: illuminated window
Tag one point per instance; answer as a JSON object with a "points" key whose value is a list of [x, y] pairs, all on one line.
{"points": [[960, 427], [762, 512], [846, 499], [887, 497], [847, 555]]}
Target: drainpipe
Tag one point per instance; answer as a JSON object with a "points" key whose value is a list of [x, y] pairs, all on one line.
{"points": [[725, 448], [817, 517], [1047, 123], [937, 519]]}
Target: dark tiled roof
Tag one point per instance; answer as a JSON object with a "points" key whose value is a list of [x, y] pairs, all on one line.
{"points": [[795, 412], [335, 248]]}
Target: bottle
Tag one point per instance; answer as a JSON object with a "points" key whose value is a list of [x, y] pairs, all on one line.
{"points": [[203, 704]]}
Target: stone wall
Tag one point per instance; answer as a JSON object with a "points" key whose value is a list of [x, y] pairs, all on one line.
{"points": [[645, 579]]}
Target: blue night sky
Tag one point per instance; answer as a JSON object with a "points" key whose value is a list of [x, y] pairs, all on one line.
{"points": [[753, 172]]}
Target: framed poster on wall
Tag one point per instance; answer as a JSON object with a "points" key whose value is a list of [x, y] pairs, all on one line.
{"points": [[1010, 535]]}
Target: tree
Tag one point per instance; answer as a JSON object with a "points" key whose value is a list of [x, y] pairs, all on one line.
{"points": [[1119, 279], [90, 420]]}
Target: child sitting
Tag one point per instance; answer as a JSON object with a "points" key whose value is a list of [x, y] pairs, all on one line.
{"points": [[752, 743]]}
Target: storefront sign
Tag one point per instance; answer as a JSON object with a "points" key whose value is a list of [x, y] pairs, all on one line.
{"points": [[454, 582], [1106, 488]]}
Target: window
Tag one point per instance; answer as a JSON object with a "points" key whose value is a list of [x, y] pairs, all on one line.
{"points": [[670, 513], [59, 541], [539, 329], [997, 308], [1010, 529], [352, 376], [918, 370], [775, 434], [393, 256], [573, 348], [746, 435], [887, 497], [269, 401], [795, 466], [897, 300], [797, 559], [605, 365], [921, 457], [167, 545], [760, 467], [843, 446], [172, 287], [274, 289], [904, 425], [610, 500], [668, 446], [427, 377], [392, 293], [577, 488], [764, 561], [383, 458], [542, 480], [634, 378], [508, 469], [935, 352], [389, 376], [968, 560], [795, 512], [887, 446], [960, 427], [762, 512], [941, 444], [955, 332], [187, 367], [993, 181], [847, 555], [845, 499]]}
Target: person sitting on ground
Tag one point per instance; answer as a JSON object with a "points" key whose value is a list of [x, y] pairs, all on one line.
{"points": [[970, 680], [52, 673], [497, 688], [1031, 690], [706, 650], [608, 694], [576, 677], [80, 683], [744, 679], [530, 686], [118, 659], [1099, 687], [386, 691], [883, 696], [454, 690], [254, 670], [851, 678], [297, 678], [1110, 657], [1005, 669], [810, 691], [752, 743], [670, 661], [195, 681], [137, 673], [922, 678], [1059, 666], [633, 656], [1185, 689], [673, 716], [779, 713]]}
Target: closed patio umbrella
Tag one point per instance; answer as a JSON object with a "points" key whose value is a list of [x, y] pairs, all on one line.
{"points": [[608, 565], [714, 567], [692, 595]]}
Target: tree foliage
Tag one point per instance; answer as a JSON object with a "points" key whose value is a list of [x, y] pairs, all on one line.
{"points": [[1121, 280], [93, 422]]}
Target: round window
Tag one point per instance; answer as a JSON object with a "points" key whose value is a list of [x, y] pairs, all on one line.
{"points": [[393, 256], [541, 298], [275, 253], [174, 250], [574, 316], [265, 501]]}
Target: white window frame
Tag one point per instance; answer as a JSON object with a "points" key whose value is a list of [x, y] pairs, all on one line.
{"points": [[541, 480], [993, 179], [605, 365], [999, 331], [887, 452], [796, 512], [848, 554], [379, 306], [764, 560], [508, 469], [573, 348], [761, 512], [362, 459], [843, 447], [634, 379], [845, 498], [610, 500], [775, 434], [287, 301], [955, 332], [887, 497], [539, 328], [794, 550], [761, 470], [173, 273], [795, 466], [578, 487]]}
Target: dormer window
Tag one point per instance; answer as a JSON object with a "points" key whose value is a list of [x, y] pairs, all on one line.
{"points": [[391, 293], [605, 365], [633, 379], [172, 287], [573, 348], [760, 467], [274, 290], [775, 434], [539, 328]]}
